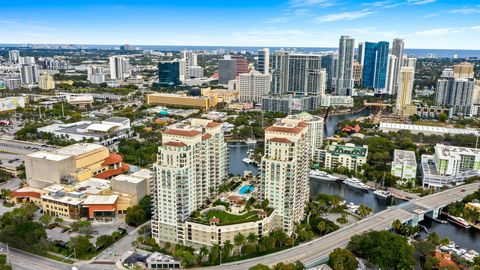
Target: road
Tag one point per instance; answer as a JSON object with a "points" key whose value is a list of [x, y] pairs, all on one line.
{"points": [[310, 253], [315, 251]]}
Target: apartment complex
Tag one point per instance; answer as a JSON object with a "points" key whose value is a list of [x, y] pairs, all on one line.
{"points": [[404, 164], [450, 165], [315, 131], [457, 89], [253, 86], [284, 177], [192, 164], [349, 156], [405, 88]]}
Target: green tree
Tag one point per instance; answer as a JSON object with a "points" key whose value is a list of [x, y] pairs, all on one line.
{"points": [[342, 259], [239, 240], [252, 238], [146, 204], [364, 210], [214, 256], [227, 249], [259, 267], [45, 219], [203, 253], [104, 241], [80, 245], [442, 117], [82, 226], [135, 216], [384, 249]]}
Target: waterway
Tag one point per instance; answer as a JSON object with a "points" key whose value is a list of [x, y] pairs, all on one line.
{"points": [[333, 120], [465, 238]]}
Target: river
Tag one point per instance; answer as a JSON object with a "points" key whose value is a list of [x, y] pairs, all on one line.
{"points": [[465, 238]]}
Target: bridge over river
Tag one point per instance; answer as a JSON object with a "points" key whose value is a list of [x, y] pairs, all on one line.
{"points": [[316, 251]]}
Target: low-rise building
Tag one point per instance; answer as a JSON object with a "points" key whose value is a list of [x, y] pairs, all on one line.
{"points": [[426, 130], [8, 104], [450, 165], [336, 101], [167, 99], [105, 132], [349, 156], [221, 95], [404, 164], [101, 207], [289, 103], [70, 164]]}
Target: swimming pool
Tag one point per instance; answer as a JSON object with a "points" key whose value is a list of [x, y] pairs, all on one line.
{"points": [[246, 189]]}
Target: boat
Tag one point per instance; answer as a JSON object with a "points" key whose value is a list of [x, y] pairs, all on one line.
{"points": [[250, 141], [355, 183], [248, 160], [459, 221], [384, 194], [317, 174]]}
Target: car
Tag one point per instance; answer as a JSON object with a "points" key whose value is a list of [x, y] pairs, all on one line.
{"points": [[463, 190]]}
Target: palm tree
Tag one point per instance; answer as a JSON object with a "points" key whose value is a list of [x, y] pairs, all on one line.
{"points": [[239, 240], [203, 253], [397, 225], [227, 249], [252, 238]]}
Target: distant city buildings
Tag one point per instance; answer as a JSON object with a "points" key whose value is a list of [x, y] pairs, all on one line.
{"points": [[29, 74], [289, 104], [253, 86], [119, 67], [46, 82], [458, 90], [241, 64], [166, 99], [14, 56], [169, 73], [375, 65], [405, 88], [344, 67], [95, 74], [263, 61], [397, 51], [227, 68]]}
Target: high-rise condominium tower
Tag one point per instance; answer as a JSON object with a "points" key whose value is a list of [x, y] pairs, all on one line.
{"points": [[14, 56], [253, 86], [397, 50], [344, 71], [375, 66], [226, 69], [192, 163], [119, 68], [263, 61], [404, 95], [284, 180]]}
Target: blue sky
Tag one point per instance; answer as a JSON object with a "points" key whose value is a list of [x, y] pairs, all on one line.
{"points": [[436, 24]]}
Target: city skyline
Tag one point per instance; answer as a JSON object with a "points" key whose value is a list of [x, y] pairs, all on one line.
{"points": [[427, 24]]}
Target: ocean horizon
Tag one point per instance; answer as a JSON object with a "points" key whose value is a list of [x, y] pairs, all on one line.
{"points": [[409, 51]]}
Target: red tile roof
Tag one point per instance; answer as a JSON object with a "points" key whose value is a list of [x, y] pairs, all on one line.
{"points": [[302, 124], [25, 194], [176, 144], [285, 129], [179, 132], [279, 140], [110, 173], [213, 124], [206, 136], [112, 159]]}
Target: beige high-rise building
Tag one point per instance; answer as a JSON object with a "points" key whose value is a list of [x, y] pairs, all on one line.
{"points": [[46, 82], [285, 166], [404, 95], [315, 131], [463, 70], [192, 164], [253, 86], [357, 74]]}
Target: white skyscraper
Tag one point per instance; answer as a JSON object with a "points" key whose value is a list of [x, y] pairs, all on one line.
{"points": [[285, 165], [29, 74], [404, 95], [397, 50], [391, 75], [192, 164], [195, 71], [14, 56], [344, 71], [119, 68], [263, 61], [95, 74], [253, 86], [315, 131], [190, 58], [26, 60]]}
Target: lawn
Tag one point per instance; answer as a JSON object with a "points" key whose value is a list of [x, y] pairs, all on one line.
{"points": [[228, 219]]}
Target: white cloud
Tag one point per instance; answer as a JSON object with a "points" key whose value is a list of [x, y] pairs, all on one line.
{"points": [[420, 2], [467, 10], [345, 16], [445, 31]]}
